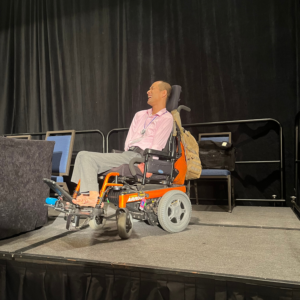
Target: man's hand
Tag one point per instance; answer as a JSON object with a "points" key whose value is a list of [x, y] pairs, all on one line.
{"points": [[141, 166]]}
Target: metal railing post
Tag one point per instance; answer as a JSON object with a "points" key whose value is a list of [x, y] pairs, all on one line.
{"points": [[110, 132], [255, 162]]}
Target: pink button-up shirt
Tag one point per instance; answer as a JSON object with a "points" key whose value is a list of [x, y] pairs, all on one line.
{"points": [[157, 130]]}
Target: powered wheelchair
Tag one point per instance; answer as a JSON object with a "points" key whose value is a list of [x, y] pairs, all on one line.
{"points": [[163, 195]]}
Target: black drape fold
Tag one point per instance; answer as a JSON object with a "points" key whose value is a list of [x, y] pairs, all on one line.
{"points": [[74, 57], [77, 64], [27, 280]]}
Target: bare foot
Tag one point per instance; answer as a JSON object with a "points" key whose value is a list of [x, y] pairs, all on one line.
{"points": [[87, 200]]}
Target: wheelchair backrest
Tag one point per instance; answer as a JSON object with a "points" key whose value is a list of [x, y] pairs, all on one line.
{"points": [[174, 98], [171, 105]]}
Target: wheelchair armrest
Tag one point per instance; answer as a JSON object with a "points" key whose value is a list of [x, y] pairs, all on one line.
{"points": [[131, 165], [160, 154]]}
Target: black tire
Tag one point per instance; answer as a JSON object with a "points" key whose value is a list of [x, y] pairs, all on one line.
{"points": [[174, 211], [98, 222], [125, 225]]}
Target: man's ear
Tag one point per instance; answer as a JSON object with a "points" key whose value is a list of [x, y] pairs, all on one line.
{"points": [[165, 93]]}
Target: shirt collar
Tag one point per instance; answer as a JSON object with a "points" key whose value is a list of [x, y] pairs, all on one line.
{"points": [[161, 112]]}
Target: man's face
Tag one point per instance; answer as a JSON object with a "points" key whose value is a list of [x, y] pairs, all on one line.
{"points": [[155, 95]]}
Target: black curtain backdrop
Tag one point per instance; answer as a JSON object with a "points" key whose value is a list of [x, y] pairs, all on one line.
{"points": [[41, 280], [88, 64]]}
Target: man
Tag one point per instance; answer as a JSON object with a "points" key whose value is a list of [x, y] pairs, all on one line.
{"points": [[149, 129]]}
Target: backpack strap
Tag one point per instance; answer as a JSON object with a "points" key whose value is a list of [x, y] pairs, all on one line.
{"points": [[177, 121]]}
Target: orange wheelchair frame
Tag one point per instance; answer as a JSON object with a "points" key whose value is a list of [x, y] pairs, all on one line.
{"points": [[166, 202], [173, 197]]}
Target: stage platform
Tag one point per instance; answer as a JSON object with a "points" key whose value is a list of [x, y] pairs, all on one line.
{"points": [[256, 245]]}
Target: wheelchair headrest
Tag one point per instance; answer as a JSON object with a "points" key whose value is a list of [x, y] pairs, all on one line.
{"points": [[174, 98]]}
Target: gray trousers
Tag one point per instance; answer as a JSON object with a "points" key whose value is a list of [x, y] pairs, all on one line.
{"points": [[89, 164]]}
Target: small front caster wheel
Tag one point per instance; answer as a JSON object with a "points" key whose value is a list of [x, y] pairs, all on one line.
{"points": [[124, 224]]}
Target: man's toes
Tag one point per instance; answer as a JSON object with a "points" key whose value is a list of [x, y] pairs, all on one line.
{"points": [[76, 201]]}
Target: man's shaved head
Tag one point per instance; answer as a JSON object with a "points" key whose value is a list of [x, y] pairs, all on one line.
{"points": [[165, 86], [158, 94]]}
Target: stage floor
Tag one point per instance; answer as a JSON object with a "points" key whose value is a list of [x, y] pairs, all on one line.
{"points": [[253, 242]]}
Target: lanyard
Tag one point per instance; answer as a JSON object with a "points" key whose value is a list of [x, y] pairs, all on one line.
{"points": [[144, 130]]}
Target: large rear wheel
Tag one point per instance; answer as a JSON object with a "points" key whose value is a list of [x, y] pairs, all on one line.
{"points": [[174, 211]]}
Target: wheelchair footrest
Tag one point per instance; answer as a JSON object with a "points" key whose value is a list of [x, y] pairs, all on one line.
{"points": [[82, 213], [57, 189]]}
